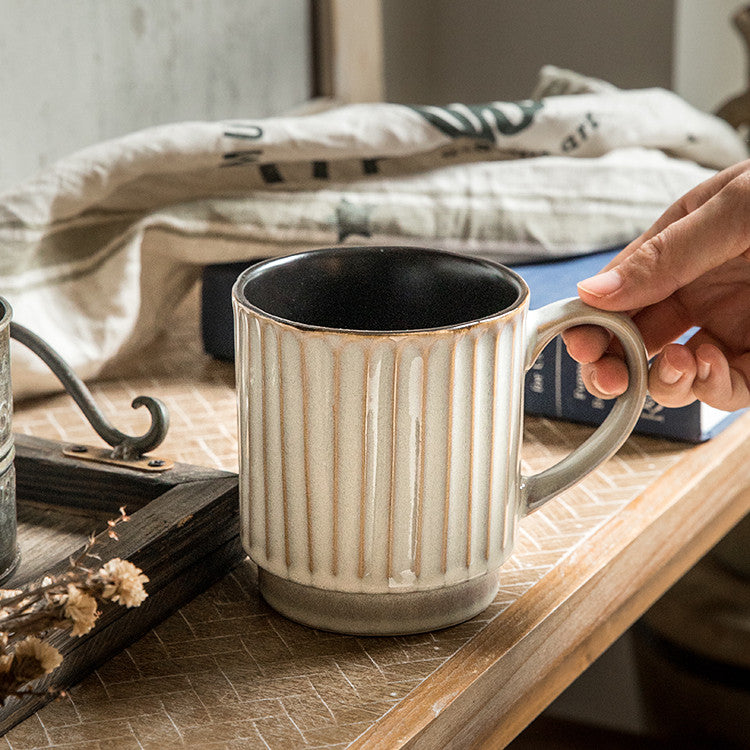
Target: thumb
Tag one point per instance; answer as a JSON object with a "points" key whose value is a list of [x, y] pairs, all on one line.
{"points": [[682, 251]]}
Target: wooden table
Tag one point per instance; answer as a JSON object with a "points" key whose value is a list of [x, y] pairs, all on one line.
{"points": [[227, 672]]}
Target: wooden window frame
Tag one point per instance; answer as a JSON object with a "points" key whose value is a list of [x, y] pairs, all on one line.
{"points": [[348, 50]]}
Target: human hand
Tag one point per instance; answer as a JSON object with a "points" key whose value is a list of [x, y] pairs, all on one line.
{"points": [[691, 268]]}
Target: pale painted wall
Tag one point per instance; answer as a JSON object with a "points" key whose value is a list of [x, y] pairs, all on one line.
{"points": [[437, 51], [710, 61], [77, 72]]}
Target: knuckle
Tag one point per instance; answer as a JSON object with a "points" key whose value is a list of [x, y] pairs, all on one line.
{"points": [[737, 190], [652, 252], [654, 263], [736, 194], [687, 203]]}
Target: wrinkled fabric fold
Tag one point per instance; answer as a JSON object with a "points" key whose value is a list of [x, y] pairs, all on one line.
{"points": [[95, 250]]}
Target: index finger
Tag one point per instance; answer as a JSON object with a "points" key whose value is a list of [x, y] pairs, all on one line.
{"points": [[691, 201], [705, 238]]}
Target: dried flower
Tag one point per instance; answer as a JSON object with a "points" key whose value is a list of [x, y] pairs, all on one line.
{"points": [[65, 600], [123, 582], [81, 609], [33, 658]]}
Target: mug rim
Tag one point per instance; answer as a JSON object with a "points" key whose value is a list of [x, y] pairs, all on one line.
{"points": [[238, 291]]}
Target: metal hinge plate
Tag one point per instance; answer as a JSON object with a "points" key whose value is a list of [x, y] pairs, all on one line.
{"points": [[152, 464]]}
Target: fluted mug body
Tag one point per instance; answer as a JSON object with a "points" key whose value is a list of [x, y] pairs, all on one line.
{"points": [[380, 481], [9, 555]]}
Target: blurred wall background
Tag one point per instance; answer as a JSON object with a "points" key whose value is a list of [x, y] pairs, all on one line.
{"points": [[79, 72], [709, 61], [439, 51], [82, 71]]}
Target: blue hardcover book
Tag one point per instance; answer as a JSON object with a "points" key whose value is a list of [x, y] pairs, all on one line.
{"points": [[554, 387]]}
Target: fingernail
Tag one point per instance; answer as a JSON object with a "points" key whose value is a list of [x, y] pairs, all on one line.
{"points": [[597, 385], [704, 368], [669, 374], [602, 284]]}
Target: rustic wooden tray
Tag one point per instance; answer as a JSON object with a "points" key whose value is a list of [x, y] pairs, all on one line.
{"points": [[183, 533]]}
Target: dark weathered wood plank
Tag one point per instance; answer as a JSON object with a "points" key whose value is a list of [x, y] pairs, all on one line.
{"points": [[50, 532], [88, 653], [45, 475], [183, 533]]}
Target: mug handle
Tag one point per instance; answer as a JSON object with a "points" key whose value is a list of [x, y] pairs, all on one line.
{"points": [[543, 325]]}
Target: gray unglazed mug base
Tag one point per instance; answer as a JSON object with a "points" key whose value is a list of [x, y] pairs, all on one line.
{"points": [[397, 613]]}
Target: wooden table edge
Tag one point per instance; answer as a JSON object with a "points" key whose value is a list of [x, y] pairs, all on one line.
{"points": [[493, 687]]}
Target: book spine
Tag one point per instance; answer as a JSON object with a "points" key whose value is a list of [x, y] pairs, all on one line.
{"points": [[542, 392], [555, 388]]}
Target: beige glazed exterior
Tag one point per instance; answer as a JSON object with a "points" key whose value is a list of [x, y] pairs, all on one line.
{"points": [[380, 475], [9, 554]]}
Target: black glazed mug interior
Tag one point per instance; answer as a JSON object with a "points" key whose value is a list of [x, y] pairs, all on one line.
{"points": [[379, 288]]}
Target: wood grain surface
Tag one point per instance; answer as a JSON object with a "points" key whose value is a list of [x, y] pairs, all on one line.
{"points": [[183, 531], [227, 672]]}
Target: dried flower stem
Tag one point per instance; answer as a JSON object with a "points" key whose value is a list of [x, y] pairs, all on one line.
{"points": [[68, 600]]}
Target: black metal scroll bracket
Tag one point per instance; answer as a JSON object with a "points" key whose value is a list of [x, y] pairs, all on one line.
{"points": [[126, 447]]}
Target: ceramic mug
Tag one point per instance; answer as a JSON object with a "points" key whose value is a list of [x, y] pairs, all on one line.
{"points": [[380, 401], [9, 554]]}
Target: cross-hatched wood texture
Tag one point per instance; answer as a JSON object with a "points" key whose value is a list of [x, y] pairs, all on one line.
{"points": [[227, 672]]}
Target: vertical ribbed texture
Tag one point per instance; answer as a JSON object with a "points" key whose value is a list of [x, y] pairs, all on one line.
{"points": [[422, 465], [376, 463], [365, 442], [393, 486], [307, 423], [284, 451], [337, 462], [8, 549], [6, 396], [448, 457]]}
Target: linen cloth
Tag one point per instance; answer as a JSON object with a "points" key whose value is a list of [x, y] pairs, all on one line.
{"points": [[96, 250]]}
